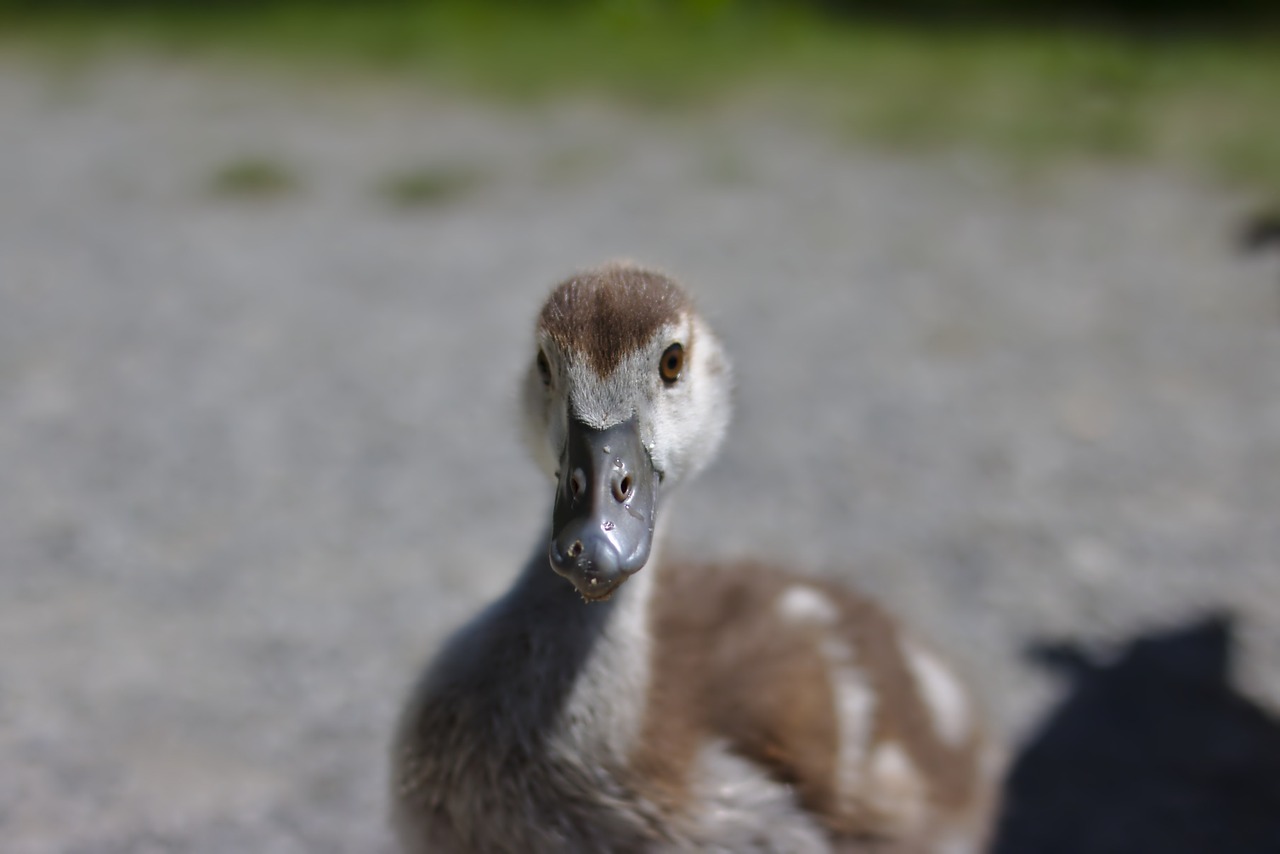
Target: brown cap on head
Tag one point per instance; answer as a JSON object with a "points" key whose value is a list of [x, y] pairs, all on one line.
{"points": [[607, 312]]}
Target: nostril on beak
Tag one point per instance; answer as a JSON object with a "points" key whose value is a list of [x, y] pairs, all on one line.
{"points": [[622, 488], [577, 483], [575, 549]]}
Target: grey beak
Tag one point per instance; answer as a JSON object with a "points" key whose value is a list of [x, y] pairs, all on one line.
{"points": [[602, 525]]}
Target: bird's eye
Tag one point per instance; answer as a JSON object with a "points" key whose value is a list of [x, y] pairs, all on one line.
{"points": [[671, 363], [544, 368]]}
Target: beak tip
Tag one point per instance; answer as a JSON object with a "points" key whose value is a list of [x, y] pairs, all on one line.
{"points": [[595, 569]]}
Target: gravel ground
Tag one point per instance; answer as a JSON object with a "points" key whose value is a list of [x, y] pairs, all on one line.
{"points": [[259, 454]]}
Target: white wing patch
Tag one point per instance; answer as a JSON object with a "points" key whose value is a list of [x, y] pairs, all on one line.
{"points": [[855, 700], [803, 604], [942, 693], [897, 790], [855, 703]]}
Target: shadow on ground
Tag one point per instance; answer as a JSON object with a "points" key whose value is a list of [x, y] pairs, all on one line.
{"points": [[1151, 752]]}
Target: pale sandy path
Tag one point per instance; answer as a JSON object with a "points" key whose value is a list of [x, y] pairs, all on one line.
{"points": [[258, 456]]}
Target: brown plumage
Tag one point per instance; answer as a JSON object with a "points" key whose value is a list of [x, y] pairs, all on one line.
{"points": [[606, 313], [727, 664]]}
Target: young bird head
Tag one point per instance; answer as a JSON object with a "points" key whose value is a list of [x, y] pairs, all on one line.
{"points": [[626, 395]]}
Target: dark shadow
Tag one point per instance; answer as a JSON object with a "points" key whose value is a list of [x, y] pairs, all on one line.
{"points": [[1260, 232], [1150, 753], [1144, 18], [1141, 18]]}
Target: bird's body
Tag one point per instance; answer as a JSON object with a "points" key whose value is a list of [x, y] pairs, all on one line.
{"points": [[624, 704]]}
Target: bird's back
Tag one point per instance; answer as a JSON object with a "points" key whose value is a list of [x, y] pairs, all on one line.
{"points": [[818, 692]]}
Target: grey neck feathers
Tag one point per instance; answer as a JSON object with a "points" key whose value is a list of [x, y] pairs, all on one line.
{"points": [[546, 671], [517, 737]]}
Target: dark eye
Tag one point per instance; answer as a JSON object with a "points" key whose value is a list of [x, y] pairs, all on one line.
{"points": [[544, 368], [671, 363]]}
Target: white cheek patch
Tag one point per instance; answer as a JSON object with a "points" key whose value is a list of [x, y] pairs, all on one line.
{"points": [[942, 693], [804, 605], [707, 407], [543, 428]]}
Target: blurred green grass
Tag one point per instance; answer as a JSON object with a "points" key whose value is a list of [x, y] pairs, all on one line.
{"points": [[1028, 93], [430, 185], [256, 177]]}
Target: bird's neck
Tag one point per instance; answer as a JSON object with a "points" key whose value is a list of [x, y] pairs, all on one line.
{"points": [[600, 652], [540, 698]]}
